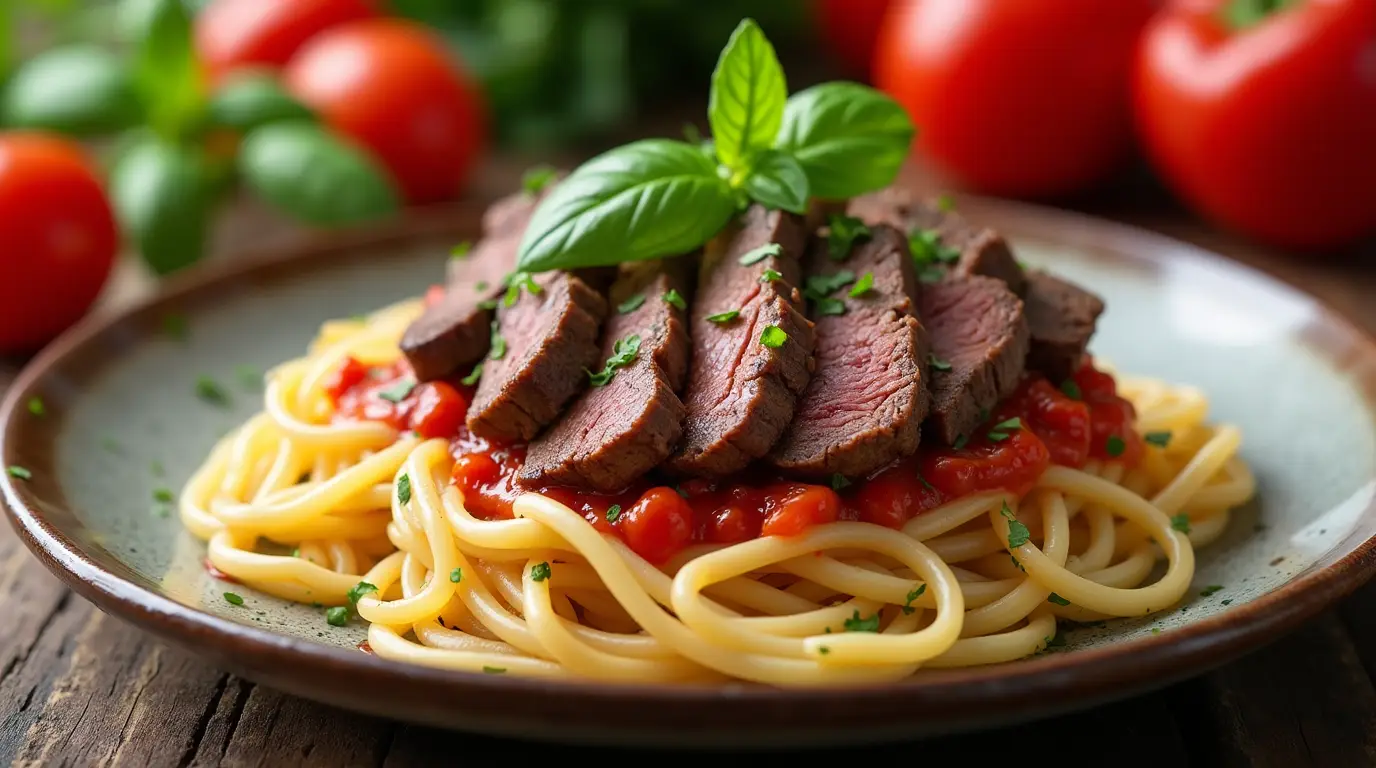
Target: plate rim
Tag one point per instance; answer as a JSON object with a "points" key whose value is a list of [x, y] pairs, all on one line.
{"points": [[977, 693]]}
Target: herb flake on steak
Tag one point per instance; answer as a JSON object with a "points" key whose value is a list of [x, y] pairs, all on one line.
{"points": [[979, 336], [742, 391], [616, 432], [865, 404], [1062, 317]]}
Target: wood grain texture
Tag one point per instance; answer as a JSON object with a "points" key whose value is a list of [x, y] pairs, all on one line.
{"points": [[78, 688]]}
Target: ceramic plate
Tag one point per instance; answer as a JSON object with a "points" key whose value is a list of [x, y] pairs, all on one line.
{"points": [[123, 419]]}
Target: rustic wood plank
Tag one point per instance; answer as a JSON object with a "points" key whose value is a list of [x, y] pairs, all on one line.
{"points": [[1358, 613], [1303, 701], [277, 729]]}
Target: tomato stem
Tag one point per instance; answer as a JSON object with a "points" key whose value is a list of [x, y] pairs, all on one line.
{"points": [[1241, 14]]}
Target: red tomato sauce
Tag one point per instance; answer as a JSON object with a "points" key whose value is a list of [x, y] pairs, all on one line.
{"points": [[1040, 424]]}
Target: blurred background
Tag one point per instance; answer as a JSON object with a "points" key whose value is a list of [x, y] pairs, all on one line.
{"points": [[154, 134]]}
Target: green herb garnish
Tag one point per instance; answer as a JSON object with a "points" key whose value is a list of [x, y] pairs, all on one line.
{"points": [[773, 336], [674, 298], [770, 275], [632, 304], [534, 180], [1057, 599], [473, 376], [1071, 389], [924, 482], [539, 572], [913, 595], [1211, 589], [404, 489], [1000, 431], [759, 254], [819, 286], [233, 599], [829, 306], [337, 616], [842, 233], [398, 391], [359, 590], [857, 624], [724, 317], [613, 513], [211, 392], [862, 286], [497, 344], [927, 249], [1115, 446], [937, 363], [1158, 439], [456, 575], [961, 442], [1181, 522], [1018, 534], [461, 250], [493, 670], [18, 472], [839, 481], [163, 496], [36, 406], [514, 282], [624, 352]]}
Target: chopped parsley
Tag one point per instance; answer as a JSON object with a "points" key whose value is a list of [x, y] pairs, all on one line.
{"points": [[1057, 640], [857, 624], [1071, 389], [1181, 522], [539, 572], [1158, 439], [404, 489], [514, 282], [493, 670], [613, 513], [937, 363], [839, 481], [945, 203], [757, 255], [674, 298], [487, 304], [822, 649], [1018, 534], [632, 304], [818, 286], [163, 495], [1017, 564], [842, 233], [829, 306], [1000, 431], [359, 590], [1225, 602], [535, 179], [498, 344], [337, 616], [398, 391], [1057, 599], [1115, 446], [773, 336], [233, 599], [913, 595], [679, 490], [473, 376], [624, 352], [175, 326], [862, 286], [456, 575], [1156, 630], [960, 442], [16, 471], [770, 275], [927, 249], [1211, 589], [724, 317], [461, 250], [36, 406], [924, 482], [211, 392]]}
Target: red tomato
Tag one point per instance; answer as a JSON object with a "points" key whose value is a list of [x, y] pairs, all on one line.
{"points": [[658, 525], [59, 238], [792, 508], [345, 376], [1011, 464], [894, 496], [236, 33], [1062, 423], [725, 517], [1112, 419], [392, 86], [439, 410], [1026, 98], [488, 484], [1268, 129], [850, 28]]}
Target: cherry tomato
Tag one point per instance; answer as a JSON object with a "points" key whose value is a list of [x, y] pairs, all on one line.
{"points": [[237, 33], [1268, 128], [1026, 98], [488, 484], [392, 87], [1012, 464], [439, 410], [1062, 423], [349, 373], [59, 238], [726, 517], [658, 525], [850, 28], [1112, 419], [792, 508], [895, 495]]}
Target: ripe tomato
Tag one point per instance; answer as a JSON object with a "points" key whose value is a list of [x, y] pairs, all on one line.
{"points": [[59, 238], [850, 28], [1026, 98], [235, 33], [1271, 128], [391, 86]]}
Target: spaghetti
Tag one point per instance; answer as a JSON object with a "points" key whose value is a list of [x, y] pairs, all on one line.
{"points": [[306, 507]]}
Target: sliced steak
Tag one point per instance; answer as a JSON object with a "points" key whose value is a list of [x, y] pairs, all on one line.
{"points": [[950, 241], [546, 340], [741, 394], [868, 395], [617, 432], [512, 213], [1062, 317], [979, 345]]}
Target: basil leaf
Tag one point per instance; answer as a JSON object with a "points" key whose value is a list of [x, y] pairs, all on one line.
{"points": [[645, 200], [251, 100], [79, 90], [166, 73], [849, 138], [776, 180], [746, 104], [309, 173], [159, 193]]}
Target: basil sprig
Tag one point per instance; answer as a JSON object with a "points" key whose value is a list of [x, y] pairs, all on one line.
{"points": [[660, 197]]}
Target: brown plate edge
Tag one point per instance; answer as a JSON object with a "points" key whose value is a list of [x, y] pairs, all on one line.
{"points": [[941, 702]]}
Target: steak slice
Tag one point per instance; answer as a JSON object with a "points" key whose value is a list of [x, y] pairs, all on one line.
{"points": [[979, 345], [868, 395], [615, 433], [950, 241], [546, 340], [741, 394], [1062, 317]]}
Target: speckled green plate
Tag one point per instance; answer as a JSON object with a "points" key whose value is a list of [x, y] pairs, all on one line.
{"points": [[123, 420]]}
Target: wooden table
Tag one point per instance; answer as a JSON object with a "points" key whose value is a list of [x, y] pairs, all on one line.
{"points": [[80, 688]]}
